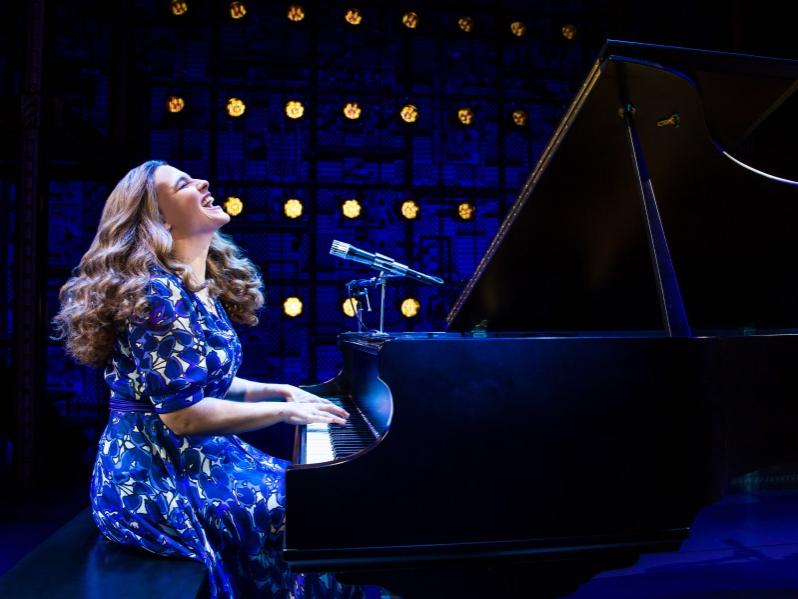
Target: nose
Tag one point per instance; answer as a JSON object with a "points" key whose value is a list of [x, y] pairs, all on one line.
{"points": [[202, 184]]}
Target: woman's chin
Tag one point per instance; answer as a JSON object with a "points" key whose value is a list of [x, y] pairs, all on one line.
{"points": [[217, 216]]}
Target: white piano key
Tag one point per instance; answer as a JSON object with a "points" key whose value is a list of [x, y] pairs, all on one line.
{"points": [[318, 447]]}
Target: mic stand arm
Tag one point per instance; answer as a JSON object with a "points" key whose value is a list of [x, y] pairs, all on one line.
{"points": [[359, 288]]}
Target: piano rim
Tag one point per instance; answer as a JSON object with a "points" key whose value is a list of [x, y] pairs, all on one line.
{"points": [[355, 558]]}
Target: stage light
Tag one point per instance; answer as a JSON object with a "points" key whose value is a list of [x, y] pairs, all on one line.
{"points": [[293, 208], [179, 7], [410, 20], [296, 13], [235, 107], [465, 116], [466, 24], [292, 306], [466, 211], [233, 205], [349, 309], [294, 109], [409, 113], [352, 111], [237, 10], [520, 117], [410, 307], [410, 209], [353, 16], [569, 31], [175, 103], [517, 28], [351, 208]]}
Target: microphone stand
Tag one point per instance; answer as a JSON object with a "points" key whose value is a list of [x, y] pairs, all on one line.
{"points": [[358, 288]]}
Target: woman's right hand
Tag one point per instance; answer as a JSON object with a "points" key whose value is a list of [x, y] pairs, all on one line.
{"points": [[307, 413]]}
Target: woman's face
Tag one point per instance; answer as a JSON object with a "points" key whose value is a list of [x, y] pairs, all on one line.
{"points": [[186, 204]]}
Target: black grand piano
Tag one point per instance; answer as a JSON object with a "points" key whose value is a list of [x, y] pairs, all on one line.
{"points": [[626, 346]]}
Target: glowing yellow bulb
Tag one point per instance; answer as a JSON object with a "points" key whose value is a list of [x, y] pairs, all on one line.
{"points": [[292, 306], [233, 205], [410, 20], [293, 208], [237, 10], [296, 13], [352, 110], [179, 7], [409, 113], [294, 109], [410, 209], [465, 116], [518, 28], [350, 307], [175, 103], [569, 31], [351, 208], [410, 307], [520, 117], [466, 210], [466, 24], [353, 16], [235, 107]]}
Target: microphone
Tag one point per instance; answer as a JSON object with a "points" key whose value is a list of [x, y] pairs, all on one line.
{"points": [[380, 262]]}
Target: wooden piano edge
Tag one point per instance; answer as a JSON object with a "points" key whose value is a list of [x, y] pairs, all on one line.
{"points": [[364, 558]]}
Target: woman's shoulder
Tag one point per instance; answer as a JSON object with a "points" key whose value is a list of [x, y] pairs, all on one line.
{"points": [[164, 283], [167, 298]]}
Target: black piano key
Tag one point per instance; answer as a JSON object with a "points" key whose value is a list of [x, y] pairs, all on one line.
{"points": [[353, 436]]}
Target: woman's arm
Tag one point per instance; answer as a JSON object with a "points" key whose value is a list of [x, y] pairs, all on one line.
{"points": [[220, 416], [244, 390]]}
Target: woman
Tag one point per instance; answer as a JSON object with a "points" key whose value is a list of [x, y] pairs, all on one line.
{"points": [[150, 303]]}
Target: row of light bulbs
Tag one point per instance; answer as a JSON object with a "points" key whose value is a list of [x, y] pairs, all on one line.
{"points": [[294, 109], [293, 307], [354, 16], [351, 208]]}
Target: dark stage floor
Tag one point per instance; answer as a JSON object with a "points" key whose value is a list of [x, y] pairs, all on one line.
{"points": [[745, 546]]}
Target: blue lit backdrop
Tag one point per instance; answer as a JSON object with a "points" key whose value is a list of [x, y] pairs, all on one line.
{"points": [[113, 83]]}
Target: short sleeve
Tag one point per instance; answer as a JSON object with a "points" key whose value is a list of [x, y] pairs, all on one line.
{"points": [[168, 348]]}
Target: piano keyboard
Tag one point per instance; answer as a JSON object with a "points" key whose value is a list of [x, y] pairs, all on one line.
{"points": [[327, 442]]}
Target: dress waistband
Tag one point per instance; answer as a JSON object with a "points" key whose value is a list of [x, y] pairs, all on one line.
{"points": [[124, 404]]}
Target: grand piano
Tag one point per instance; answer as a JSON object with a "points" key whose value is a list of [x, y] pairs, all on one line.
{"points": [[626, 346]]}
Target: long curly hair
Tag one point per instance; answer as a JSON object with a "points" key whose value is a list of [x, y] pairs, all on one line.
{"points": [[109, 286]]}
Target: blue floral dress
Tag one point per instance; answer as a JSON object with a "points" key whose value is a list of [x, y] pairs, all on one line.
{"points": [[210, 498]]}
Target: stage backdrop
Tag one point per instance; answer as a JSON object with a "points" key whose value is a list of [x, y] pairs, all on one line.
{"points": [[401, 128], [405, 130]]}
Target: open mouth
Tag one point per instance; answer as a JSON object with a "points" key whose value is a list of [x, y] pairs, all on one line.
{"points": [[207, 202]]}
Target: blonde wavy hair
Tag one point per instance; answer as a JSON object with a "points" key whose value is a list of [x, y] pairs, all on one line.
{"points": [[110, 283]]}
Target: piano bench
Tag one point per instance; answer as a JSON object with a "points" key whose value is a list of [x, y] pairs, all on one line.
{"points": [[77, 561]]}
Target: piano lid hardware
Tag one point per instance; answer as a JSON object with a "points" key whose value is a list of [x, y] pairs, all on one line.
{"points": [[480, 329], [672, 121]]}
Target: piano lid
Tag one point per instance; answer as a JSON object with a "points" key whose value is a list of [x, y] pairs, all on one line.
{"points": [[572, 252]]}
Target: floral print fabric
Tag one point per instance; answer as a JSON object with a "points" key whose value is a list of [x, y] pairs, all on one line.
{"points": [[210, 498]]}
